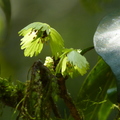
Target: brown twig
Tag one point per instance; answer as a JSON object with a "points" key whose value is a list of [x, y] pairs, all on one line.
{"points": [[68, 100], [54, 108]]}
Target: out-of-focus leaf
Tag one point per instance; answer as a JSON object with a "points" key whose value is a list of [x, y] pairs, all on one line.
{"points": [[93, 92], [112, 94], [105, 110], [95, 5], [6, 7], [5, 24], [2, 27], [109, 106]]}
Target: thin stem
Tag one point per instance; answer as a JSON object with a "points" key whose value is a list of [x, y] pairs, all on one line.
{"points": [[68, 100], [86, 50]]}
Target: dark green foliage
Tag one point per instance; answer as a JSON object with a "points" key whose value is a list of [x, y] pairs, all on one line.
{"points": [[93, 93], [95, 5]]}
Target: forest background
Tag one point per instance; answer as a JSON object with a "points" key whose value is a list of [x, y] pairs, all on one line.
{"points": [[73, 19]]}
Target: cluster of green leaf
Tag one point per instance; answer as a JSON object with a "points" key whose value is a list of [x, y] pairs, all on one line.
{"points": [[36, 34], [95, 99], [71, 62]]}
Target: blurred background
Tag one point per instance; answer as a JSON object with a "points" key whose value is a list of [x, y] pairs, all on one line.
{"points": [[75, 20]]}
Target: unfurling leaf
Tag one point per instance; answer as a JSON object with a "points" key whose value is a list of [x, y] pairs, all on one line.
{"points": [[64, 64], [79, 62], [36, 34], [49, 63], [72, 63]]}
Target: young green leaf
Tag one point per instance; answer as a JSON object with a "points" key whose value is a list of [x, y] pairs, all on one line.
{"points": [[32, 44], [49, 63], [72, 63], [56, 43], [79, 62], [36, 26], [64, 64], [59, 65], [36, 34]]}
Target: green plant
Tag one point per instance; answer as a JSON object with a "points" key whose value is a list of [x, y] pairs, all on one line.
{"points": [[36, 99], [51, 75]]}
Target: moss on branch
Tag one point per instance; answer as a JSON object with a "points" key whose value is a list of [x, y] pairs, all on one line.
{"points": [[35, 99], [11, 93]]}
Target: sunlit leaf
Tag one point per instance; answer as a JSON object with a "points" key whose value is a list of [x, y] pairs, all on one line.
{"points": [[49, 63], [32, 46], [56, 43], [59, 65], [66, 51], [72, 63], [36, 26], [24, 31], [78, 61], [35, 34], [64, 63]]}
